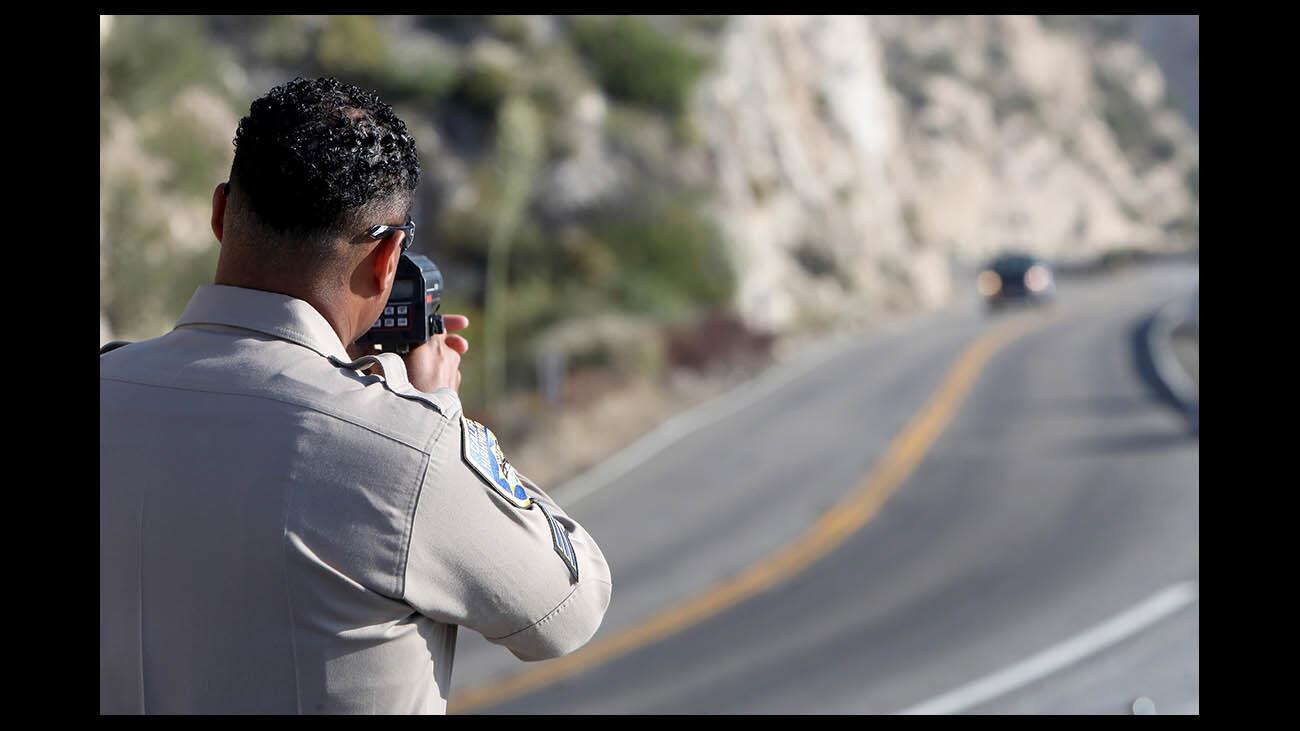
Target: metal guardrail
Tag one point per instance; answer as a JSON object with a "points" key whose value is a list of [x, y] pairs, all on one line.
{"points": [[1160, 344]]}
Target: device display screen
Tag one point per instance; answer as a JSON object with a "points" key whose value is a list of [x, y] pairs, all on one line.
{"points": [[403, 289]]}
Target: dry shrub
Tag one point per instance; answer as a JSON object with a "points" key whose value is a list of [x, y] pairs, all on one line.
{"points": [[719, 340]]}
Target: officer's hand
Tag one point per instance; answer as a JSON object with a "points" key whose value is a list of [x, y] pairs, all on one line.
{"points": [[436, 363]]}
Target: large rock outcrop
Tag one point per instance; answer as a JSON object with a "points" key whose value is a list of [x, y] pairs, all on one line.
{"points": [[857, 159]]}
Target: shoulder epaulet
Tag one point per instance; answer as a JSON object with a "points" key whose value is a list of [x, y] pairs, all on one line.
{"points": [[394, 379], [113, 345]]}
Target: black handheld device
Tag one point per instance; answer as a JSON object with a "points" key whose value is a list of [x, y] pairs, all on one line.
{"points": [[411, 315]]}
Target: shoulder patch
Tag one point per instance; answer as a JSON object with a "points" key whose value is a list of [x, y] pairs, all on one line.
{"points": [[563, 545], [481, 452]]}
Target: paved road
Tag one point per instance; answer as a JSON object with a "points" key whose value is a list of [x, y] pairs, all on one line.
{"points": [[1063, 492]]}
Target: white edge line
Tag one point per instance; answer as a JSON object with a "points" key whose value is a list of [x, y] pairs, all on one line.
{"points": [[720, 407], [1125, 624], [604, 473]]}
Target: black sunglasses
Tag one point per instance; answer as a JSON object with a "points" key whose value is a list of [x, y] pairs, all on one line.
{"points": [[382, 230]]}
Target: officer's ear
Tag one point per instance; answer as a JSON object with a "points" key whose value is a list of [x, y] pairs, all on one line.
{"points": [[219, 198], [387, 255]]}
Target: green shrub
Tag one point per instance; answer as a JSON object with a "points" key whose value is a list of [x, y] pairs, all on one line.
{"points": [[638, 63], [558, 80], [642, 135], [672, 259], [283, 40], [484, 84], [457, 27], [463, 235], [709, 25], [587, 259], [421, 73], [195, 164], [149, 280], [148, 60], [357, 49], [650, 292], [127, 263], [352, 45], [511, 28]]}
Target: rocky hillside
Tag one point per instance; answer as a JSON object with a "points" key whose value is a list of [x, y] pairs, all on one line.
{"points": [[857, 159], [626, 175]]}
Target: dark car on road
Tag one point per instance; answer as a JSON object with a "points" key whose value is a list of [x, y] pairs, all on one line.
{"points": [[1015, 278]]}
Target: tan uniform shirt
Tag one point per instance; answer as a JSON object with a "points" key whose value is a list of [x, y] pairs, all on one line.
{"points": [[280, 533]]}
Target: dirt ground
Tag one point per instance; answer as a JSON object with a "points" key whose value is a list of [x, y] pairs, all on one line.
{"points": [[570, 440], [555, 444]]}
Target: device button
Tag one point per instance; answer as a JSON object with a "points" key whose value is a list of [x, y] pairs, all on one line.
{"points": [[401, 322], [388, 322], [401, 309], [388, 310]]}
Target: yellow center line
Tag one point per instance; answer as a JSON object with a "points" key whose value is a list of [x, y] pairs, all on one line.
{"points": [[832, 529]]}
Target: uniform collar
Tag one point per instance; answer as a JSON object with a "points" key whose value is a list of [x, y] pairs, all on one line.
{"points": [[277, 315]]}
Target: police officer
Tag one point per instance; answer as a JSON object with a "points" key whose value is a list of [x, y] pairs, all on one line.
{"points": [[288, 527]]}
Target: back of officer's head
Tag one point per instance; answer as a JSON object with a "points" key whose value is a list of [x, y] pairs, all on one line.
{"points": [[317, 163]]}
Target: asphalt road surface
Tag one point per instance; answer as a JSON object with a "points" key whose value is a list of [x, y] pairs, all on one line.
{"points": [[1005, 574]]}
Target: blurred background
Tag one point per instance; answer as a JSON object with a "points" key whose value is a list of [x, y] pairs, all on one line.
{"points": [[642, 214]]}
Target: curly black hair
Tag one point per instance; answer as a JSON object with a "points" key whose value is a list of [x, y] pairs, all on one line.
{"points": [[314, 158]]}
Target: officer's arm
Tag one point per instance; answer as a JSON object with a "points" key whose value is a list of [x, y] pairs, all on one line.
{"points": [[479, 560]]}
